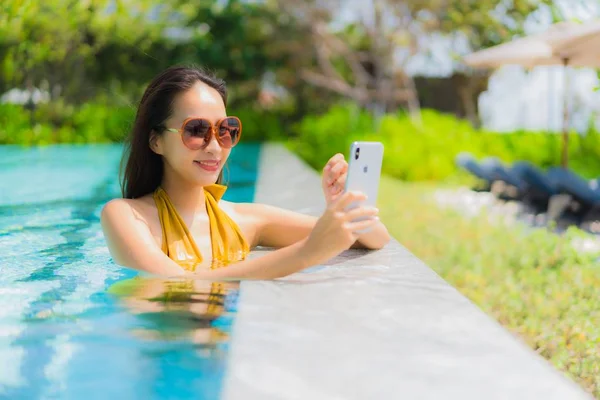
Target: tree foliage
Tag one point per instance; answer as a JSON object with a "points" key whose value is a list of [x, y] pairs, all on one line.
{"points": [[87, 49], [80, 49]]}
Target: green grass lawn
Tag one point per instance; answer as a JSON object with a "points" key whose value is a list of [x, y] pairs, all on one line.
{"points": [[532, 281]]}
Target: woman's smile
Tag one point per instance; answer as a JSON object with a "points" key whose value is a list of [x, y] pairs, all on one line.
{"points": [[209, 165]]}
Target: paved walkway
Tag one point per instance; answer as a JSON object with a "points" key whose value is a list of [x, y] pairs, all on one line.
{"points": [[371, 325]]}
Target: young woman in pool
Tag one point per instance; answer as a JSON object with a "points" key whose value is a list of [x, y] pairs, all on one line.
{"points": [[171, 220]]}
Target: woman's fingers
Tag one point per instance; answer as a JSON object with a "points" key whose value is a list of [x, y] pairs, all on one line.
{"points": [[341, 180], [338, 167], [336, 172], [361, 225], [334, 176], [361, 212], [332, 161], [348, 198], [336, 189]]}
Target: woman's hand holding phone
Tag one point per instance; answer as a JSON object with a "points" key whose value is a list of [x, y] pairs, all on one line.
{"points": [[337, 229], [334, 177]]}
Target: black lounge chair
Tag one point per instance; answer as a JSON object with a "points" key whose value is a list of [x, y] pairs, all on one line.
{"points": [[583, 204], [513, 187], [583, 191], [503, 173], [491, 171], [483, 172], [541, 187]]}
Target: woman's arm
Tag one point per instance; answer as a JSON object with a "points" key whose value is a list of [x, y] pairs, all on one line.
{"points": [[275, 264], [278, 227], [131, 245], [375, 239]]}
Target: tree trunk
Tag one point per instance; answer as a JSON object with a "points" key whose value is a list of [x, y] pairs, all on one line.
{"points": [[468, 89]]}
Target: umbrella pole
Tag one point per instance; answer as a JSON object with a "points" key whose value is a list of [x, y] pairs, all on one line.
{"points": [[565, 147]]}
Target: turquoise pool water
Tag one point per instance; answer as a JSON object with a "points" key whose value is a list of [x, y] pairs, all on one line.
{"points": [[63, 333]]}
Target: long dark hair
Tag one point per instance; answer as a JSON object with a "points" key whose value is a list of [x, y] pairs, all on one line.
{"points": [[143, 170]]}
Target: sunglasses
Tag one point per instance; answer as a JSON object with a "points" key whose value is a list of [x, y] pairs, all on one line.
{"points": [[197, 133]]}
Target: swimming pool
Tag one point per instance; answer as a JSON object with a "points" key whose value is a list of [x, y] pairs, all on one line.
{"points": [[72, 323]]}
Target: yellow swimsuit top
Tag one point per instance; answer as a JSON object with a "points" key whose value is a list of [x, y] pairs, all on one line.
{"points": [[228, 245], [227, 241]]}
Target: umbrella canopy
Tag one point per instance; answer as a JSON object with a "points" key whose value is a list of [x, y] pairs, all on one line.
{"points": [[565, 43]]}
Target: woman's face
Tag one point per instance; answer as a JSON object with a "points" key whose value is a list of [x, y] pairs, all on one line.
{"points": [[202, 166]]}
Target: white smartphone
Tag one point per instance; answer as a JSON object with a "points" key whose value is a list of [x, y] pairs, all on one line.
{"points": [[364, 171]]}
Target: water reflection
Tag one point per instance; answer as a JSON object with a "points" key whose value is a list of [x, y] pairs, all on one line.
{"points": [[176, 310]]}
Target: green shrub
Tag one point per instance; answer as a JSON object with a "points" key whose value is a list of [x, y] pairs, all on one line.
{"points": [[317, 138], [413, 151], [94, 123], [259, 125], [426, 150], [14, 122], [58, 122], [99, 122]]}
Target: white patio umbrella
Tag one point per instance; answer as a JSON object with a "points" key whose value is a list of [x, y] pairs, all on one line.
{"points": [[565, 43]]}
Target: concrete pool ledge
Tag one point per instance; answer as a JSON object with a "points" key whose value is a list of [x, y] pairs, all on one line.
{"points": [[370, 325]]}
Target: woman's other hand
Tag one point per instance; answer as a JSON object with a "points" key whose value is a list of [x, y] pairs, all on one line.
{"points": [[334, 178]]}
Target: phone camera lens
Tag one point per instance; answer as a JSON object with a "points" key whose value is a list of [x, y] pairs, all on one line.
{"points": [[357, 153]]}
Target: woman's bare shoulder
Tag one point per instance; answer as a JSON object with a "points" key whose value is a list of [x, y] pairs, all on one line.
{"points": [[133, 235], [142, 208]]}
